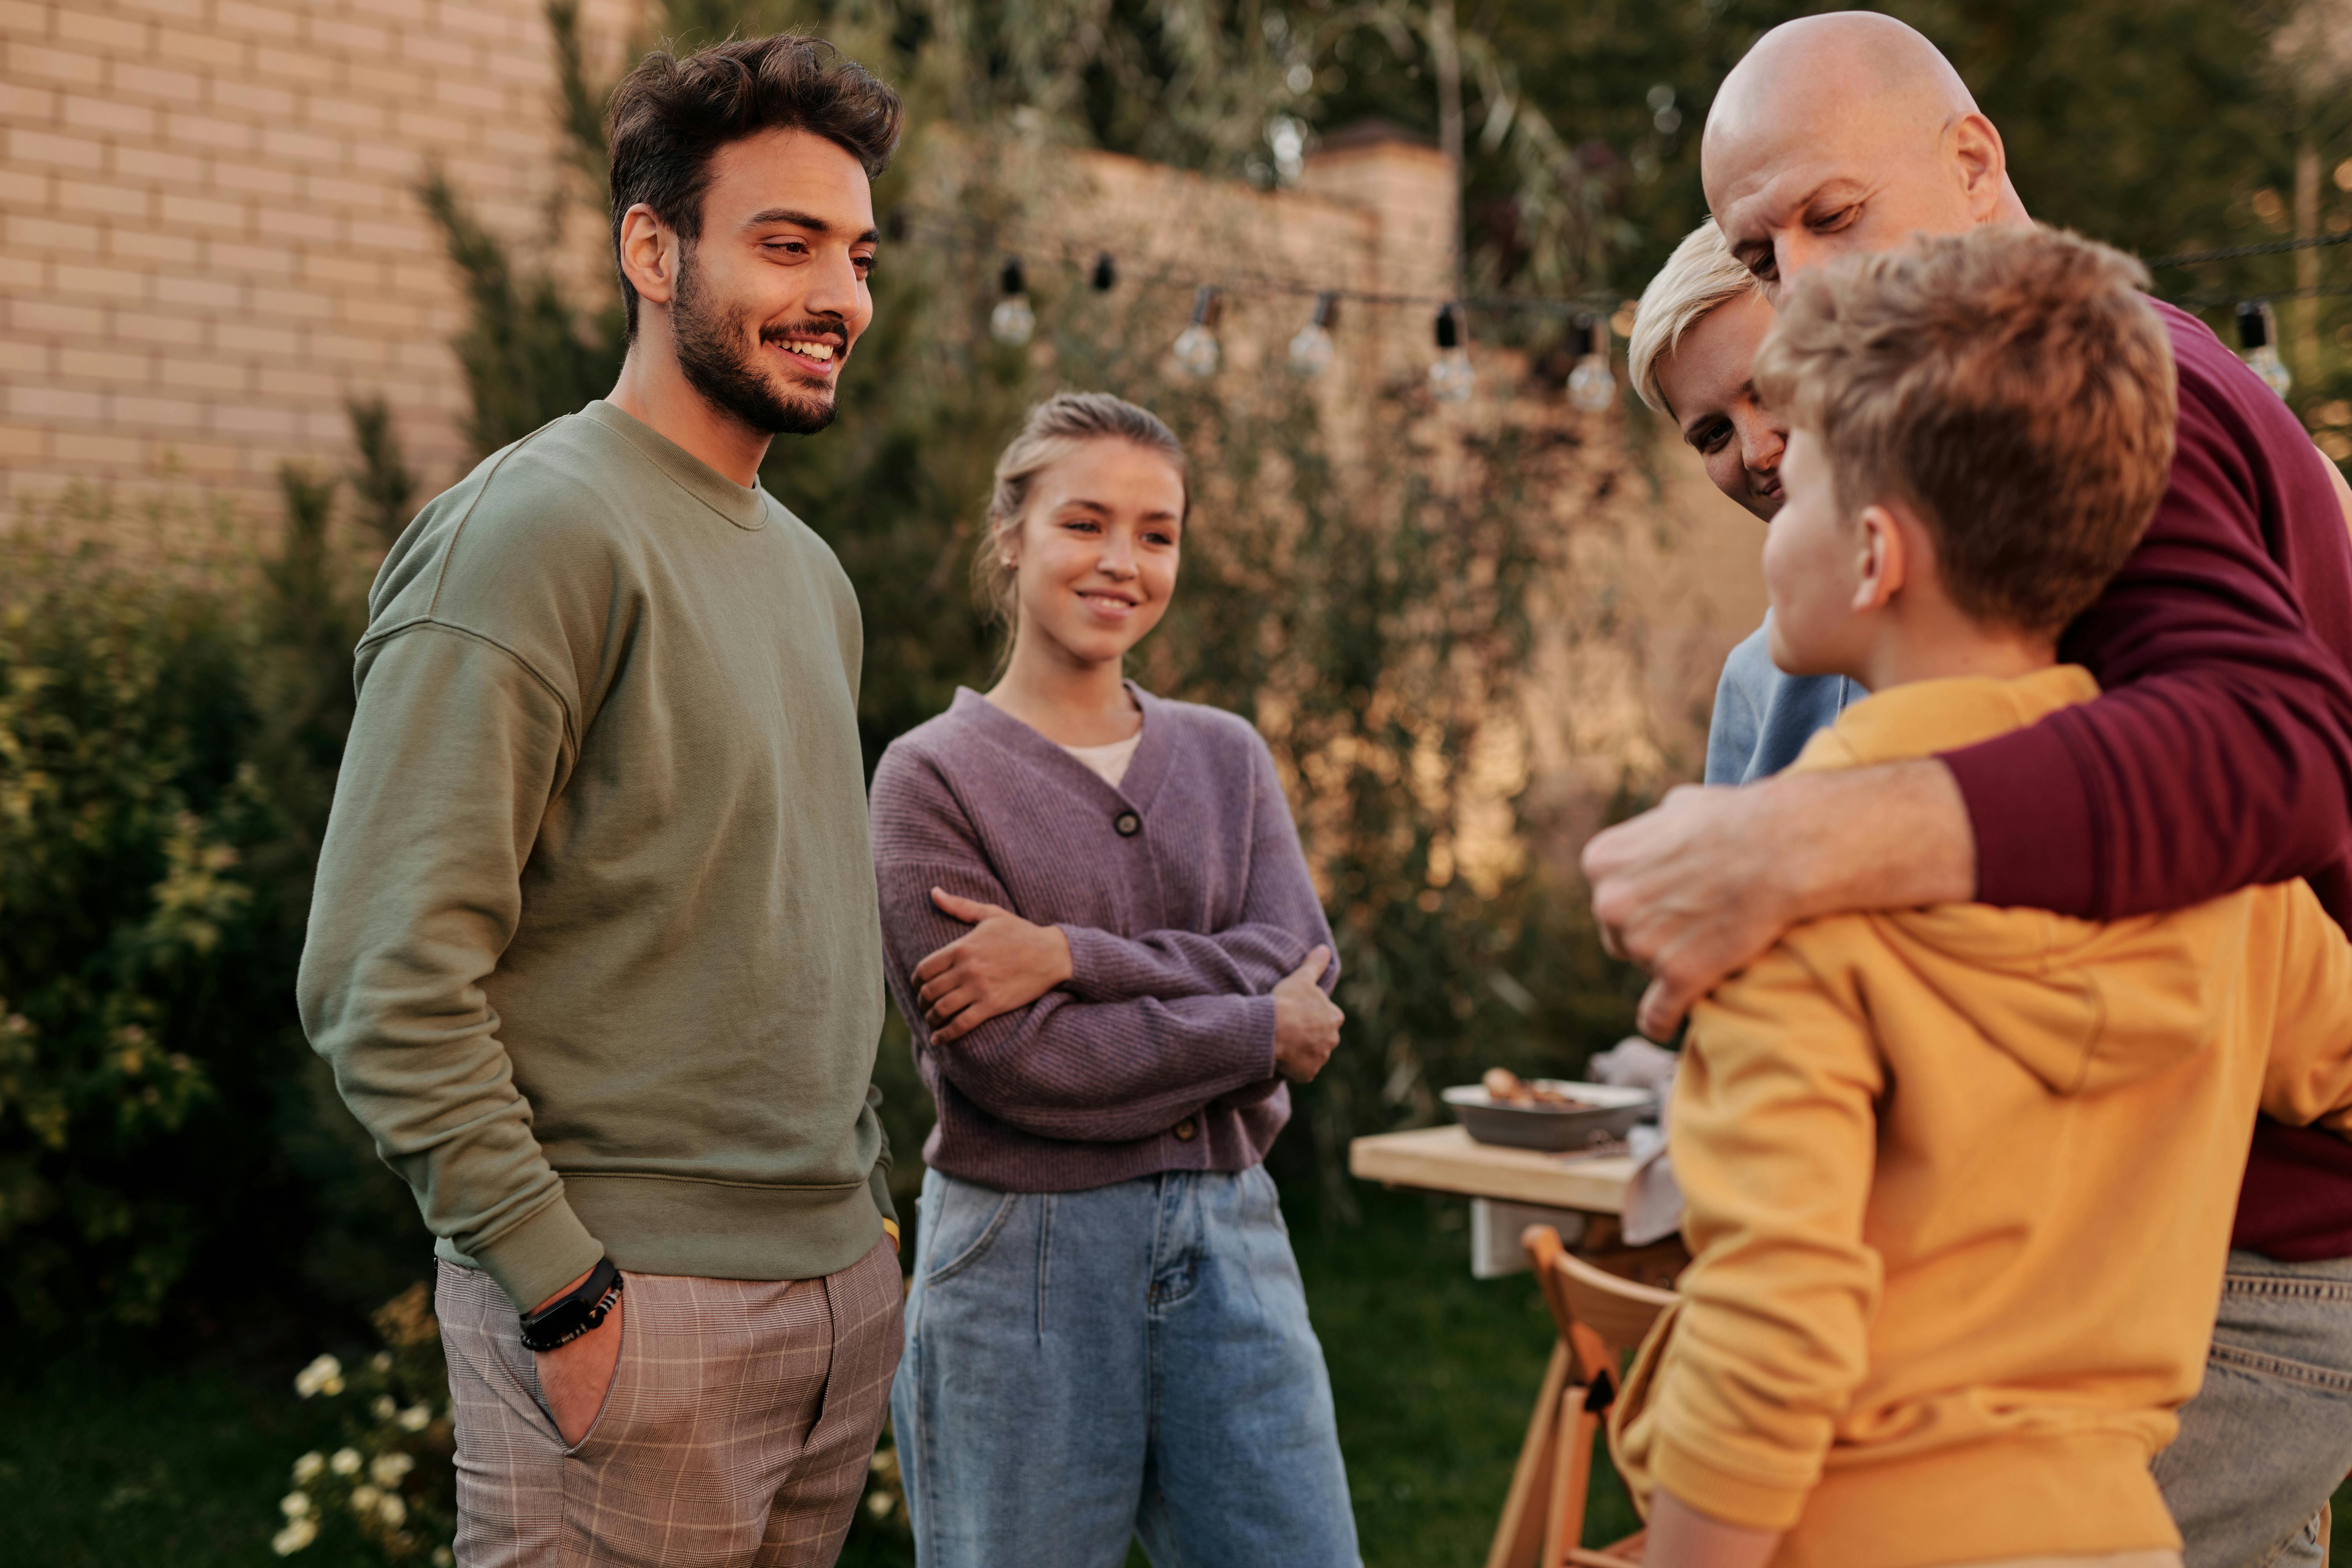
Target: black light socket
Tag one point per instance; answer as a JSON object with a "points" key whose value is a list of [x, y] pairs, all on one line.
{"points": [[1106, 277], [1014, 280], [1449, 328], [2254, 325]]}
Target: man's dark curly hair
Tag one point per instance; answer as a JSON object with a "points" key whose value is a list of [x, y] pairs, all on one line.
{"points": [[670, 116]]}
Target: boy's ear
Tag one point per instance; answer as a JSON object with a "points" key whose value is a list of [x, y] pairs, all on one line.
{"points": [[1881, 559]]}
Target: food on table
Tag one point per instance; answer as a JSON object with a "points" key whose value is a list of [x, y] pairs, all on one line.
{"points": [[1505, 1087]]}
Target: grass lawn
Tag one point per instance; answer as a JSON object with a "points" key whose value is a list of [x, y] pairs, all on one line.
{"points": [[1435, 1374], [105, 1460]]}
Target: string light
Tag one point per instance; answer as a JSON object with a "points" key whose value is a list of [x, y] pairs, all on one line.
{"points": [[2258, 335], [1196, 348], [1012, 321], [1311, 352], [1590, 385], [1451, 379]]}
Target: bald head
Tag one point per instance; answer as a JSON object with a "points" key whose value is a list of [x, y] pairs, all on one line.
{"points": [[1844, 133]]}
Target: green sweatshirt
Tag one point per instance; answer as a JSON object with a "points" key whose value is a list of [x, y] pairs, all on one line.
{"points": [[593, 950]]}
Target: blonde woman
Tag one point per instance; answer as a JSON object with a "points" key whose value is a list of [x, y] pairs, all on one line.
{"points": [[1100, 928], [1694, 333]]}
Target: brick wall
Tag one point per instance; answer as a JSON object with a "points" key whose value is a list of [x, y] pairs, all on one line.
{"points": [[212, 237], [211, 234]]}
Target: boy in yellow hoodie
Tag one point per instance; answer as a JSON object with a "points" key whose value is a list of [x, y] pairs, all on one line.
{"points": [[1960, 1179]]}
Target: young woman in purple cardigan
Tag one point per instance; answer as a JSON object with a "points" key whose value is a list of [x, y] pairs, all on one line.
{"points": [[1102, 933]]}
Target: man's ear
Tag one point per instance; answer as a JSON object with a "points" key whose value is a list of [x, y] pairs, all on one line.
{"points": [[649, 254], [1883, 560], [1980, 162]]}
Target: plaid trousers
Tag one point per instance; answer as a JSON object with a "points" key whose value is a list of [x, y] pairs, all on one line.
{"points": [[737, 1434]]}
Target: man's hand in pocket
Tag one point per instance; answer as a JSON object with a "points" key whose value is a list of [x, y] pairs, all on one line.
{"points": [[576, 1377]]}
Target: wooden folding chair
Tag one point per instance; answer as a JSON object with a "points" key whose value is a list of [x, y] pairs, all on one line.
{"points": [[1600, 1317]]}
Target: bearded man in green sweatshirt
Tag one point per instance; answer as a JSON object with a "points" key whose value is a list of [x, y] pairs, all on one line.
{"points": [[595, 950]]}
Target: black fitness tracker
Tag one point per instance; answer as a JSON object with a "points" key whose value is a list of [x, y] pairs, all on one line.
{"points": [[576, 1313]]}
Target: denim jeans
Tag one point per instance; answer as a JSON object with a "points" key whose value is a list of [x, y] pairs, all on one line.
{"points": [[1131, 1360], [2269, 1435]]}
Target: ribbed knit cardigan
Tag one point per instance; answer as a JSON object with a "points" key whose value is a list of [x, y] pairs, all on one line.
{"points": [[1185, 896]]}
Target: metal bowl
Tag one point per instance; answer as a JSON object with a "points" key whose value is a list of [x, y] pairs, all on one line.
{"points": [[1609, 1113]]}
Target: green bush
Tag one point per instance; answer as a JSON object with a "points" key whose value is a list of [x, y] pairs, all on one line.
{"points": [[169, 731]]}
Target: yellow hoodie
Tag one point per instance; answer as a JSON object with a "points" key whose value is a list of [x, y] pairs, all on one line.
{"points": [[1961, 1183]]}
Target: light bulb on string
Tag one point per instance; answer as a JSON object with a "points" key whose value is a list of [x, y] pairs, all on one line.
{"points": [[1012, 321], [1311, 352], [1105, 273], [1451, 379], [1590, 385], [1196, 351], [2258, 335]]}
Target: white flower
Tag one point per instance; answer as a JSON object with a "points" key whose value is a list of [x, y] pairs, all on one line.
{"points": [[389, 1467], [391, 1511], [295, 1505], [385, 1408], [381, 1361], [879, 1504], [363, 1500], [294, 1537], [307, 1467], [442, 1558], [416, 1419], [323, 1375], [879, 1462], [346, 1462]]}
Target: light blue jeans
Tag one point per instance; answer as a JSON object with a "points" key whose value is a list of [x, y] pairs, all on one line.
{"points": [[1131, 1360], [2269, 1435]]}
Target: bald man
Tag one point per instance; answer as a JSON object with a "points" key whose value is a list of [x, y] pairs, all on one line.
{"points": [[2219, 758]]}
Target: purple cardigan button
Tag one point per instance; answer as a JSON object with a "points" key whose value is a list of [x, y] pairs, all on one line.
{"points": [[1186, 1131], [1128, 824]]}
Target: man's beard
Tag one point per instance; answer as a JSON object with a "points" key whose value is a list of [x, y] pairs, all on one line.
{"points": [[710, 353]]}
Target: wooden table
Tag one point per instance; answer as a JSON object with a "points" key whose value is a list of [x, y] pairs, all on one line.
{"points": [[1446, 1159], [1543, 1512]]}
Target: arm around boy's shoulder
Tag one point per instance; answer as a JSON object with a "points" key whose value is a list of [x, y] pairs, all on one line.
{"points": [[2222, 649]]}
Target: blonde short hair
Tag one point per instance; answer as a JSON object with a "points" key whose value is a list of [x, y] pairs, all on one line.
{"points": [[2009, 384], [1053, 430], [1701, 275]]}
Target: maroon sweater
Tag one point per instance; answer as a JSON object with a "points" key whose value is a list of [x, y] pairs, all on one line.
{"points": [[1185, 897], [2221, 756]]}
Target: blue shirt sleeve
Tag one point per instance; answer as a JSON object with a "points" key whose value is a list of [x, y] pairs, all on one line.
{"points": [[1762, 718]]}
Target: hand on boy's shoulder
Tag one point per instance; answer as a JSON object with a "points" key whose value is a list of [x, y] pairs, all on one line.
{"points": [[1681, 892], [1697, 887]]}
